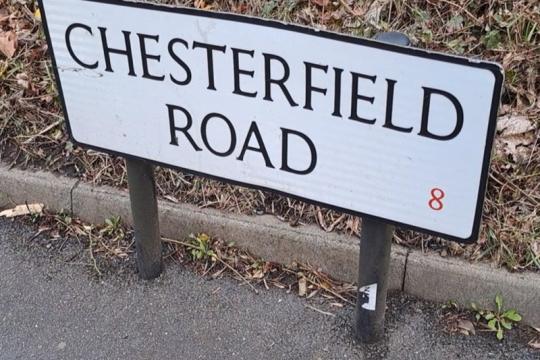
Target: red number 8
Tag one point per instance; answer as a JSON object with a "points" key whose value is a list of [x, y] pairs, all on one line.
{"points": [[435, 203]]}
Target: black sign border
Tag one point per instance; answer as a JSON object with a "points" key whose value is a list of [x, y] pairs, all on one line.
{"points": [[494, 68]]}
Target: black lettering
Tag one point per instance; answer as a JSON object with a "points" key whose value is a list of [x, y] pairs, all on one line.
{"points": [[390, 108], [145, 56], [254, 130], [238, 71], [355, 97], [268, 80], [424, 131], [285, 152], [309, 82], [337, 92], [180, 62], [184, 130], [70, 48], [204, 134], [210, 60], [107, 51]]}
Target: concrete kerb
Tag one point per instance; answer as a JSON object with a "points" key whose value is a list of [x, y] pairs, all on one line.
{"points": [[427, 276], [18, 187], [442, 279]]}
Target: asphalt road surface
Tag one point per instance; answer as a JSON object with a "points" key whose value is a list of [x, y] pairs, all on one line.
{"points": [[52, 307]]}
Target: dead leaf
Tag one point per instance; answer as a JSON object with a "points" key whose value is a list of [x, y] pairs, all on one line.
{"points": [[8, 43], [512, 125], [535, 247], [373, 15], [4, 15], [456, 248], [302, 286], [47, 99], [322, 3], [515, 136], [201, 4], [20, 210], [258, 274], [466, 327], [535, 344], [325, 285], [22, 80]]}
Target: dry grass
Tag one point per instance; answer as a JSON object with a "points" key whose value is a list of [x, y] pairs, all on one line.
{"points": [[32, 132]]}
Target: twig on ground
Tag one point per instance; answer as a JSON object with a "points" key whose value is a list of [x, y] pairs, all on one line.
{"points": [[319, 311], [92, 257]]}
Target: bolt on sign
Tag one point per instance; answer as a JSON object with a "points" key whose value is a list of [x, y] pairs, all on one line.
{"points": [[373, 129]]}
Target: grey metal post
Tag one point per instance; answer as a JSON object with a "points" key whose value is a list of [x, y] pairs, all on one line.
{"points": [[375, 243], [142, 193]]}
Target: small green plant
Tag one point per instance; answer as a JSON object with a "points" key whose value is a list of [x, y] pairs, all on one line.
{"points": [[498, 320], [63, 219], [450, 305], [268, 8], [35, 217], [200, 247], [113, 228], [492, 39]]}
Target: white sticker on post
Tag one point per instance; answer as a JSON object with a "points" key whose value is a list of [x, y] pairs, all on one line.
{"points": [[368, 297]]}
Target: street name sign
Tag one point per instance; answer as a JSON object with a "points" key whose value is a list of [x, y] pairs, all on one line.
{"points": [[369, 128]]}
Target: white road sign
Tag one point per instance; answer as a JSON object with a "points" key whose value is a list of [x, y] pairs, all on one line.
{"points": [[369, 128]]}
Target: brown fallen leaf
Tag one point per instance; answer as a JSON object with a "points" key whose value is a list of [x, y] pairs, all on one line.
{"points": [[321, 2], [258, 274], [201, 4], [535, 344], [4, 15], [456, 249], [535, 247], [466, 327], [8, 43], [22, 80], [24, 209], [515, 137], [302, 286], [373, 14], [512, 125]]}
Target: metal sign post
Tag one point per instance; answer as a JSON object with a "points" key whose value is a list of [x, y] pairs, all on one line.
{"points": [[375, 243], [142, 193]]}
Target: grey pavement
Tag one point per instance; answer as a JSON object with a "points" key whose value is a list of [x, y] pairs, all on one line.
{"points": [[52, 307]]}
